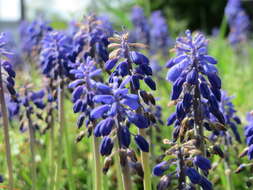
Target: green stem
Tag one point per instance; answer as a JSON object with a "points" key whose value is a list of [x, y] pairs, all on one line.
{"points": [[32, 149], [223, 27], [69, 159], [127, 184], [145, 165], [97, 163], [228, 176], [51, 155], [6, 133], [228, 170], [118, 167], [125, 173], [63, 131]]}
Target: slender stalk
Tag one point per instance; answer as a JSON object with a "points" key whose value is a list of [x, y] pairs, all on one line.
{"points": [[51, 154], [198, 128], [228, 169], [60, 148], [228, 176], [32, 149], [180, 162], [125, 173], [69, 159], [145, 165], [144, 155], [63, 132], [127, 184], [6, 133], [118, 167], [97, 163]]}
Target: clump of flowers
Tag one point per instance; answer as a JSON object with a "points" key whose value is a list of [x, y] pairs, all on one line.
{"points": [[238, 22], [153, 32], [120, 103], [248, 132], [31, 35], [231, 120], [91, 39], [7, 75], [159, 34], [196, 94], [141, 31]]}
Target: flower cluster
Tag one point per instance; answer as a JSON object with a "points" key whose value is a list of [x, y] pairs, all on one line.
{"points": [[91, 39], [231, 120], [31, 35], [140, 32], [152, 32], [159, 35], [248, 132], [84, 89], [56, 47], [32, 103], [196, 93], [194, 76], [7, 73], [127, 67], [238, 21]]}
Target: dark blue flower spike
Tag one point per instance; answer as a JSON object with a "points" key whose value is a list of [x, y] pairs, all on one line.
{"points": [[231, 120], [56, 47], [196, 93], [248, 133], [123, 99], [31, 35], [238, 21], [91, 39], [32, 103], [141, 32], [7, 76], [7, 72]]}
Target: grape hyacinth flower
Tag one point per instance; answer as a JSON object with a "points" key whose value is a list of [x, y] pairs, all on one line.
{"points": [[132, 67], [85, 87], [91, 39], [238, 21], [153, 32], [55, 64], [7, 75], [31, 103], [225, 137], [56, 47], [231, 120], [159, 35], [231, 10], [196, 94], [141, 31], [248, 151], [248, 133], [31, 35], [239, 29]]}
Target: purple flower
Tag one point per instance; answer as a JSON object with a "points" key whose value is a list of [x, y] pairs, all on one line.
{"points": [[159, 35], [160, 168], [202, 162], [141, 143], [194, 175], [31, 35], [238, 22], [140, 32], [56, 47], [106, 146], [248, 132]]}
